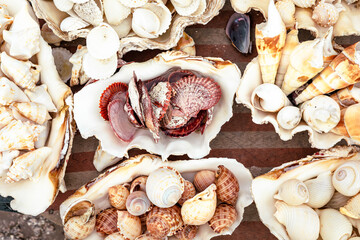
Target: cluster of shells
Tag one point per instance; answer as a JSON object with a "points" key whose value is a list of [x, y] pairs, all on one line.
{"points": [[306, 81], [159, 205]]}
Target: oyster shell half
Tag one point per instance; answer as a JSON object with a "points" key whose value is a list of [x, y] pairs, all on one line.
{"points": [[96, 191], [34, 197], [195, 145]]}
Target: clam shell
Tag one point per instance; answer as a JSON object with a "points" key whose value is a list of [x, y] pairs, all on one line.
{"points": [[187, 7], [227, 186], [320, 190], [203, 179], [124, 28], [117, 196], [99, 68], [195, 145], [224, 217], [293, 192], [334, 225], [145, 164], [345, 178], [115, 236], [162, 222]]}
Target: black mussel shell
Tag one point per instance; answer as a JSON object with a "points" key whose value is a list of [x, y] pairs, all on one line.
{"points": [[238, 30]]}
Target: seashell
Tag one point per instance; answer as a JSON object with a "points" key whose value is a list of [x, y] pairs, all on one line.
{"points": [[63, 66], [289, 117], [338, 200], [347, 96], [139, 184], [341, 73], [201, 208], [334, 225], [106, 221], [5, 21], [123, 28], [79, 1], [77, 71], [5, 116], [348, 125], [293, 192], [187, 233], [70, 24], [90, 11], [19, 116], [115, 11], [186, 44], [346, 177], [187, 7], [325, 14], [286, 9], [79, 227], [22, 40], [108, 95], [204, 179], [224, 216], [49, 36], [6, 159], [10, 92], [102, 42], [129, 226], [306, 61], [78, 208], [189, 192], [115, 236], [40, 95], [134, 3], [138, 203], [270, 40], [268, 97], [227, 186], [99, 68], [355, 222], [34, 111], [117, 196], [238, 30], [146, 236], [164, 187], [304, 3], [63, 5], [28, 165], [292, 41], [151, 20], [19, 135], [43, 137], [200, 10], [24, 74], [299, 220], [321, 113], [320, 190], [162, 222], [351, 208], [329, 52]]}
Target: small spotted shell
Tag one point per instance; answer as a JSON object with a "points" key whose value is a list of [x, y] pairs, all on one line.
{"points": [[224, 216], [139, 184], [79, 227], [128, 225], [106, 221], [117, 196], [325, 14], [187, 233], [203, 179], [227, 186], [138, 203], [189, 192]]}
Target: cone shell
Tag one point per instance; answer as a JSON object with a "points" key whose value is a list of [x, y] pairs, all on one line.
{"points": [[224, 216], [201, 208], [34, 111], [106, 221], [138, 203], [304, 3], [346, 177], [286, 9], [117, 196], [343, 71], [187, 233], [293, 192], [189, 192], [10, 92], [40, 95], [204, 179], [162, 222], [325, 14], [79, 227], [351, 208], [320, 190], [227, 186], [270, 40], [334, 225], [349, 125], [289, 117], [129, 226]]}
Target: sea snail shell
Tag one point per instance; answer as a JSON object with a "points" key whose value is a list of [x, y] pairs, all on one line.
{"points": [[293, 192], [138, 203], [227, 185], [188, 193], [320, 190], [79, 227], [117, 196], [203, 179], [346, 178], [334, 225]]}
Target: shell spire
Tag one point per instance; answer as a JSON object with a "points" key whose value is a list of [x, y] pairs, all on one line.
{"points": [[270, 40]]}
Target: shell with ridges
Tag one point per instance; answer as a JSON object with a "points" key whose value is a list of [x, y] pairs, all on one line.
{"points": [[34, 111], [129, 226], [286, 10], [106, 221], [6, 159], [162, 222], [325, 14], [293, 192], [346, 177], [304, 3], [90, 11], [189, 192], [334, 225], [224, 216], [187, 233], [203, 179], [227, 186], [5, 116], [72, 23], [49, 36], [347, 96], [40, 95], [351, 208], [79, 227], [289, 117], [115, 236], [138, 203], [320, 190], [117, 196]]}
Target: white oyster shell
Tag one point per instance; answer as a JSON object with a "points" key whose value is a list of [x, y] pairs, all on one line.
{"points": [[265, 186], [90, 122], [144, 165]]}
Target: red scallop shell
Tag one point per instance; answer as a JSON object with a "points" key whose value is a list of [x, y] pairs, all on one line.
{"points": [[107, 96], [156, 97], [177, 75], [150, 83], [193, 94], [106, 221]]}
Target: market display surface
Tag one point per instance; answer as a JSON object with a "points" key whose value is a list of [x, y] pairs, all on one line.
{"points": [[151, 100]]}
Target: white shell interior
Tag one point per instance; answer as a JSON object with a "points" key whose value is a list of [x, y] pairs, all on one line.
{"points": [[145, 164], [195, 145]]}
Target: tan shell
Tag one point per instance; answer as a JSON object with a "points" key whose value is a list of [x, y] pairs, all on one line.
{"points": [[138, 203], [115, 236], [139, 184], [106, 221], [162, 222], [334, 225], [186, 44], [187, 233], [128, 225], [203, 179], [325, 14], [227, 186], [189, 192], [351, 208], [79, 227], [5, 116], [293, 192], [348, 125], [117, 196], [224, 217], [286, 10], [34, 111], [90, 11]]}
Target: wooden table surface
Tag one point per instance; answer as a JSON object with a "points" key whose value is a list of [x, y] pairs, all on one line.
{"points": [[258, 147]]}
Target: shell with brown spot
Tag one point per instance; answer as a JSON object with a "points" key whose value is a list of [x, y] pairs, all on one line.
{"points": [[227, 186]]}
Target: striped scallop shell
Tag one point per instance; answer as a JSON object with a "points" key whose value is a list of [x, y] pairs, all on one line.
{"points": [[189, 192], [325, 14], [304, 3], [224, 216], [128, 225], [117, 196], [203, 179], [187, 233], [106, 221], [227, 186]]}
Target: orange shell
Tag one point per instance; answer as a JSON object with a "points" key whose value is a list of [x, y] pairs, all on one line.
{"points": [[189, 192], [227, 186], [225, 215], [203, 179], [117, 196], [106, 221], [107, 95]]}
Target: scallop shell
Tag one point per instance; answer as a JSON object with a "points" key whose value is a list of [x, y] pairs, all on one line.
{"points": [[164, 187], [79, 227], [286, 9], [293, 192], [117, 196], [320, 190], [63, 66], [129, 226], [138, 203], [188, 232], [40, 95], [34, 111], [5, 116], [90, 11], [224, 217], [269, 98], [189, 192], [325, 14], [195, 145], [334, 225], [203, 179], [115, 11], [162, 222], [351, 208], [139, 184], [289, 117], [146, 164], [70, 24], [346, 177], [10, 92]]}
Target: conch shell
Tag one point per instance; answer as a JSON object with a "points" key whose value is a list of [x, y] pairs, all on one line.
{"points": [[34, 111], [270, 40], [10, 92]]}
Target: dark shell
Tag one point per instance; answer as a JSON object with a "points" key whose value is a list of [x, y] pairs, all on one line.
{"points": [[187, 233], [189, 192], [177, 75], [132, 117], [152, 82], [238, 30], [134, 93], [227, 186], [207, 120], [160, 95], [193, 94], [224, 216], [108, 95], [106, 221]]}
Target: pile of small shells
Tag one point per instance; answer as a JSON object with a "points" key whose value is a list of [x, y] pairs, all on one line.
{"points": [[293, 79], [160, 205]]}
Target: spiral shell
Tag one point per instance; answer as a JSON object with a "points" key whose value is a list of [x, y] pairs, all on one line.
{"points": [[138, 203], [320, 190], [34, 111], [139, 184], [227, 186], [203, 179], [346, 178], [224, 216], [128, 225], [201, 208], [164, 187], [162, 222], [334, 225], [289, 117], [106, 221], [325, 14], [79, 227], [189, 192], [293, 192], [117, 196], [352, 207], [187, 233]]}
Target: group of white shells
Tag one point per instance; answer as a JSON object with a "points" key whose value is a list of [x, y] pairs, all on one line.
{"points": [[314, 197]]}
